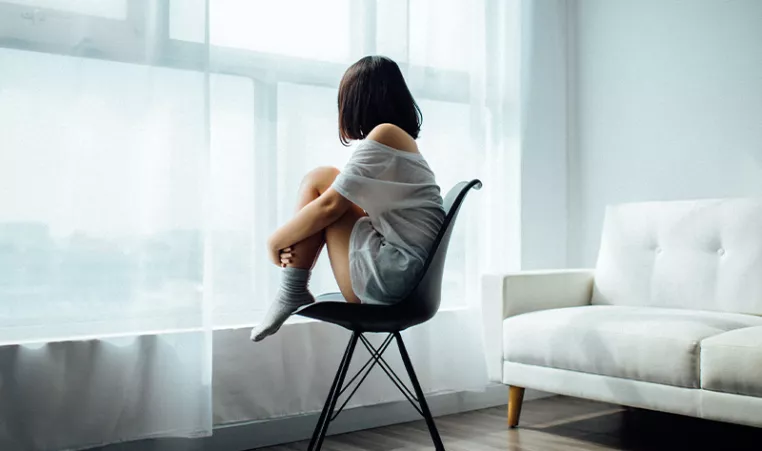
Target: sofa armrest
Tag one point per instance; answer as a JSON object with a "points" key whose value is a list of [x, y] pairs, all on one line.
{"points": [[506, 295], [532, 291]]}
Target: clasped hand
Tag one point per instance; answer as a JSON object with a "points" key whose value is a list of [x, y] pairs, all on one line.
{"points": [[281, 257]]}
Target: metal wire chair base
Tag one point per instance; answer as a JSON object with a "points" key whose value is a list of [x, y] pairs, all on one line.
{"points": [[338, 388]]}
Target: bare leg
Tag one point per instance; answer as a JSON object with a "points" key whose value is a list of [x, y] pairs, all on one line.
{"points": [[336, 235], [300, 260], [315, 183]]}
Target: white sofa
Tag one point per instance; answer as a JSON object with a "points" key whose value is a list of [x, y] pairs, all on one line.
{"points": [[669, 320]]}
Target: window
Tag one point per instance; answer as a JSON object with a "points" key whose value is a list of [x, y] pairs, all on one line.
{"points": [[232, 239], [432, 40], [100, 175], [249, 25], [148, 213]]}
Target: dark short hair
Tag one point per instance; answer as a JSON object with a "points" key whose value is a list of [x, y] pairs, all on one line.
{"points": [[372, 92]]}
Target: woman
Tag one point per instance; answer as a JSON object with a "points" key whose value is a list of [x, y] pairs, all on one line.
{"points": [[378, 217]]}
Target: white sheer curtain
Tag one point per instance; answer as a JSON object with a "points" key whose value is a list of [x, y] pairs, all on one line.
{"points": [[105, 308], [148, 148], [278, 119]]}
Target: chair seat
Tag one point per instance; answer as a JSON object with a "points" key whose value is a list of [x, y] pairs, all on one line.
{"points": [[332, 308]]}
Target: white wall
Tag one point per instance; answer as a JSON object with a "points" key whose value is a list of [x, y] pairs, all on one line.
{"points": [[667, 105], [543, 133]]}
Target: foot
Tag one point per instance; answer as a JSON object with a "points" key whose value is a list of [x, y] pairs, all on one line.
{"points": [[278, 314]]}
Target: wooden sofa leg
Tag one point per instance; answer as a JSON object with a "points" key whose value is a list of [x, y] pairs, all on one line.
{"points": [[515, 399]]}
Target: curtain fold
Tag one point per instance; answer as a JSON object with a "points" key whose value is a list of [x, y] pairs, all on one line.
{"points": [[85, 393]]}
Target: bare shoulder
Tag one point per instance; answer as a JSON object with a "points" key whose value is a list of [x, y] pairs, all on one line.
{"points": [[393, 136]]}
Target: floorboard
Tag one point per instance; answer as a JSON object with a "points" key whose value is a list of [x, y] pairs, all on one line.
{"points": [[553, 424]]}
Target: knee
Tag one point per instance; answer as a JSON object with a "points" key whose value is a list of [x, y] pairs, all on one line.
{"points": [[321, 177]]}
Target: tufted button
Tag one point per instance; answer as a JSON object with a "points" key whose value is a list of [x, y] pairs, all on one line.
{"points": [[720, 252], [657, 250]]}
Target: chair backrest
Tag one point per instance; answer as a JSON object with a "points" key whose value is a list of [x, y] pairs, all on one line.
{"points": [[699, 254], [423, 301]]}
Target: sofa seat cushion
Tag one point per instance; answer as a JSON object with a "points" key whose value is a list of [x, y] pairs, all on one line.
{"points": [[732, 362], [640, 343]]}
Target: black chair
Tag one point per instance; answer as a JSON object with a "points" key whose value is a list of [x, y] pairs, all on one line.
{"points": [[418, 307]]}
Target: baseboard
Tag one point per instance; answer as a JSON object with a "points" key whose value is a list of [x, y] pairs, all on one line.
{"points": [[257, 434]]}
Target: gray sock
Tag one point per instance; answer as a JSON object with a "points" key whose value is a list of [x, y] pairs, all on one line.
{"points": [[293, 293]]}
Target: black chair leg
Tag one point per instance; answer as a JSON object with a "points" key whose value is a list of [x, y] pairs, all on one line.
{"points": [[438, 445], [333, 395]]}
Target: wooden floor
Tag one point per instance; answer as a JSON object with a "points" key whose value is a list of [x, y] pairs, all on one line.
{"points": [[551, 424]]}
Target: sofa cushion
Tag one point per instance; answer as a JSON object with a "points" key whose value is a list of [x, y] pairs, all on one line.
{"points": [[702, 255], [732, 362], [647, 344]]}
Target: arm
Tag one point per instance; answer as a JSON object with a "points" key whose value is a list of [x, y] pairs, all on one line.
{"points": [[506, 295], [314, 217], [330, 206]]}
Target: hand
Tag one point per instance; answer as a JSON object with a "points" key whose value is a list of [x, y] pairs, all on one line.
{"points": [[285, 256], [280, 257]]}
